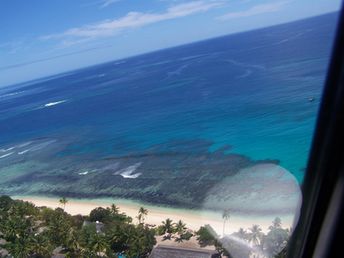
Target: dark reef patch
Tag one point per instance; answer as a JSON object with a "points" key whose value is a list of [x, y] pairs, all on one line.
{"points": [[176, 173]]}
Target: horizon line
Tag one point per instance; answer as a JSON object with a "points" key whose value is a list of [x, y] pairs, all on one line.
{"points": [[131, 56]]}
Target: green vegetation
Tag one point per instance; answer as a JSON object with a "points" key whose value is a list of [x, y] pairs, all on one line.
{"points": [[142, 213], [30, 231], [177, 231]]}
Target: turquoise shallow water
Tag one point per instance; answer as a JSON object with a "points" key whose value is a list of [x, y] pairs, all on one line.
{"points": [[169, 124]]}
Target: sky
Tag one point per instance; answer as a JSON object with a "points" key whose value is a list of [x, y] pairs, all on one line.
{"points": [[40, 38]]}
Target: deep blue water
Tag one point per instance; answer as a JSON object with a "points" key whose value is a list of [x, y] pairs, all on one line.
{"points": [[245, 94]]}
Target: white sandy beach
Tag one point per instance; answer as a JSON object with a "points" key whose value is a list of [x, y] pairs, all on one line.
{"points": [[156, 214]]}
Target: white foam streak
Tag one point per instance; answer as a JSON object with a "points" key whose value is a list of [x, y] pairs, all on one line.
{"points": [[54, 103], [6, 150], [11, 94], [35, 147], [127, 172], [23, 152], [24, 144], [6, 155], [41, 145]]}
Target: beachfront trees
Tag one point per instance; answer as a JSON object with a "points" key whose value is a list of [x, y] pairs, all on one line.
{"points": [[255, 235], [117, 238], [28, 231], [206, 236], [100, 214], [276, 223], [109, 215], [242, 233], [142, 242], [98, 244], [225, 217], [237, 244], [142, 213], [114, 209], [276, 239], [19, 248], [63, 201], [92, 242], [5, 203], [231, 247], [19, 229], [41, 246], [58, 226], [14, 227], [178, 231], [180, 227], [132, 240], [167, 226], [72, 245]]}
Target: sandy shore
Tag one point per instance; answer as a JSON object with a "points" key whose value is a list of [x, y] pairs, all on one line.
{"points": [[194, 219]]}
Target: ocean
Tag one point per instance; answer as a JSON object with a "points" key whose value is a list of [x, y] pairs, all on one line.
{"points": [[166, 127]]}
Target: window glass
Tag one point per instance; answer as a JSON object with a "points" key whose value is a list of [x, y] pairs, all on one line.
{"points": [[198, 111]]}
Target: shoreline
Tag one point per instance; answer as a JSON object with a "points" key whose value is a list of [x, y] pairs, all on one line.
{"points": [[193, 219]]}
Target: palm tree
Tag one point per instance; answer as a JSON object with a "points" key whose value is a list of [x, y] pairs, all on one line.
{"points": [[20, 248], [255, 236], [40, 246], [277, 223], [98, 244], [63, 201], [242, 233], [225, 216], [167, 226], [15, 227], [114, 209], [58, 228], [10, 228], [73, 248], [180, 227], [142, 213]]}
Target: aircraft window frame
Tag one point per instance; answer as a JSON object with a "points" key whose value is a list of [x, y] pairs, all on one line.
{"points": [[317, 234]]}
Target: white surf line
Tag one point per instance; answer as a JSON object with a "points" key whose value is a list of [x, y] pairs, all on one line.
{"points": [[24, 144], [86, 172], [131, 176], [36, 147], [11, 94], [23, 152], [6, 150], [127, 172], [54, 103], [6, 155], [41, 145]]}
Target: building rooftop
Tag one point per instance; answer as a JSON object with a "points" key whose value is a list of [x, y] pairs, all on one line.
{"points": [[162, 251]]}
